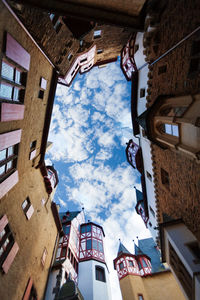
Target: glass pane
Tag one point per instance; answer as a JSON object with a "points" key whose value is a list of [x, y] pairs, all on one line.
{"points": [[6, 91], [83, 229], [17, 76], [7, 71], [2, 170], [66, 229], [2, 233], [94, 244], [9, 165], [175, 130], [2, 154], [16, 94], [1, 251], [64, 251], [168, 128], [6, 243], [88, 228], [10, 151], [58, 252], [100, 246], [144, 263], [24, 204], [97, 33], [89, 244]]}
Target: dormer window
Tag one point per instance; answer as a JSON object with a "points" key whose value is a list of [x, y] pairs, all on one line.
{"points": [[171, 129], [97, 34], [130, 262]]}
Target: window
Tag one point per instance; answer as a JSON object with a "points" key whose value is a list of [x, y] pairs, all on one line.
{"points": [[139, 265], [97, 34], [69, 57], [86, 228], [162, 69], [33, 145], [142, 93], [164, 177], [100, 246], [100, 274], [8, 247], [44, 255], [94, 244], [130, 262], [58, 26], [69, 253], [140, 297], [8, 161], [41, 94], [144, 263], [66, 229], [169, 129], [99, 51], [13, 82], [121, 265], [152, 211], [27, 208], [149, 176], [89, 244]]}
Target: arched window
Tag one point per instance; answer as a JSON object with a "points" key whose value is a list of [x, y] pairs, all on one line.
{"points": [[170, 129], [100, 273]]}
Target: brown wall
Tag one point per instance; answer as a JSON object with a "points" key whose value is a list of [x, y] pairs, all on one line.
{"points": [[181, 198], [59, 45], [40, 231]]}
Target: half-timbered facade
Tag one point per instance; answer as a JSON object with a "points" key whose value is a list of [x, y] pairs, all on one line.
{"points": [[80, 251]]}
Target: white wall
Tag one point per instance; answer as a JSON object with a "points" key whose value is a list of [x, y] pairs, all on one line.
{"points": [[90, 288]]}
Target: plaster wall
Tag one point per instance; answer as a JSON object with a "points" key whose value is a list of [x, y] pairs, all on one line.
{"points": [[131, 286], [38, 233], [90, 288]]}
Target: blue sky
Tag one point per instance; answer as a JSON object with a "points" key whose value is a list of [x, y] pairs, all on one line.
{"points": [[90, 126]]}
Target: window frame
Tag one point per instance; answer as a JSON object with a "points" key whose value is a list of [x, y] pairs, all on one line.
{"points": [[7, 160], [13, 83], [100, 273]]}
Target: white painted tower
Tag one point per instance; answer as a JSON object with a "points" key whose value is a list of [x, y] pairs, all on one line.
{"points": [[93, 280]]}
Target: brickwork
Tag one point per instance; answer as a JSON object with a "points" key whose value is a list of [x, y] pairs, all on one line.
{"points": [[58, 45], [181, 198]]}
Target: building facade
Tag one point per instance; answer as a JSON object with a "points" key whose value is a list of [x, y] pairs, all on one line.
{"points": [[142, 276], [169, 123], [79, 258], [28, 230]]}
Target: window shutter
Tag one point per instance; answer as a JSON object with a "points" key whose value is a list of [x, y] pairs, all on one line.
{"points": [[29, 212], [28, 289], [9, 259], [3, 222], [10, 138], [8, 183], [32, 154], [11, 112], [17, 53]]}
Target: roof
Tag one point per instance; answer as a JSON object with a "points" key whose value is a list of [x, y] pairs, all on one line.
{"points": [[122, 250], [139, 195], [68, 215], [138, 251], [148, 247]]}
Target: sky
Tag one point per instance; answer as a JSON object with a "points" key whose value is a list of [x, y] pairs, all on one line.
{"points": [[90, 126]]}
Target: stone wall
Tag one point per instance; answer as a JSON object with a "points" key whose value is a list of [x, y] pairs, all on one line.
{"points": [[179, 18], [40, 231]]}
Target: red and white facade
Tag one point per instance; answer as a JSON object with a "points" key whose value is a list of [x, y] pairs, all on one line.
{"points": [[79, 252], [128, 64], [129, 264]]}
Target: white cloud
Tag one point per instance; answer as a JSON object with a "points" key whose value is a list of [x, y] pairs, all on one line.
{"points": [[63, 203]]}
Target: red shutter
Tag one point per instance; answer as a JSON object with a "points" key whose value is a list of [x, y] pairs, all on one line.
{"points": [[10, 138], [28, 289], [3, 222], [17, 53], [8, 183], [9, 259], [11, 112]]}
